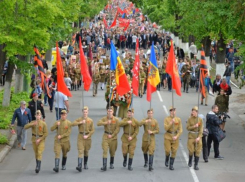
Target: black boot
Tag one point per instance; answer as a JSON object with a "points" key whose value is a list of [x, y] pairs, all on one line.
{"points": [[111, 163], [79, 166], [125, 161], [196, 163], [187, 87], [56, 168], [130, 161], [38, 166], [104, 164], [85, 162], [171, 167], [150, 162], [64, 163], [190, 161], [146, 160], [72, 86], [75, 87], [166, 160]]}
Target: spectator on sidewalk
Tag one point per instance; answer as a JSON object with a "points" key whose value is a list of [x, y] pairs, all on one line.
{"points": [[226, 88], [227, 73], [193, 50], [61, 103], [216, 84], [23, 116], [5, 69], [35, 105]]}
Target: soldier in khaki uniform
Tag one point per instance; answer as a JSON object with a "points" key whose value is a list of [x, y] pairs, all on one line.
{"points": [[148, 140], [130, 131], [109, 140], [86, 130], [61, 140], [77, 77], [96, 80], [194, 144], [142, 77], [102, 77], [186, 71], [39, 133], [173, 128]]}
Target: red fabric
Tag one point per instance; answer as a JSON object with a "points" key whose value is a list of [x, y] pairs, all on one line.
{"points": [[114, 23], [126, 27], [124, 86], [135, 81], [172, 70], [90, 54], [137, 10], [150, 90], [224, 87], [61, 86], [119, 10], [84, 68], [105, 23]]}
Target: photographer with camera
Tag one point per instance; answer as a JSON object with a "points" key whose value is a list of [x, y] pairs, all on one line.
{"points": [[222, 101], [213, 125]]}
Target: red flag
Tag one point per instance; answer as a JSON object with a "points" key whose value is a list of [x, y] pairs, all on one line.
{"points": [[84, 68], [203, 72], [114, 23], [126, 26], [135, 81], [119, 10], [172, 70], [105, 23], [61, 86], [137, 10]]}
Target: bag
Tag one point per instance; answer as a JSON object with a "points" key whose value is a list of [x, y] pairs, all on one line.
{"points": [[220, 135], [205, 132]]}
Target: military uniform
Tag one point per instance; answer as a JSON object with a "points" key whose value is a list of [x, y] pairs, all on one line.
{"points": [[194, 133], [123, 107], [63, 144], [222, 101], [170, 145], [186, 74], [96, 80], [148, 140], [109, 143], [102, 78], [40, 132], [142, 77], [84, 145], [129, 130]]}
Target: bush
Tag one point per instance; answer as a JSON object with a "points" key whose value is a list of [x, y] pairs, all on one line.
{"points": [[3, 139], [6, 113]]}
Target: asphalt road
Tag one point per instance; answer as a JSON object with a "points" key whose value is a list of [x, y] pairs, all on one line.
{"points": [[19, 165]]}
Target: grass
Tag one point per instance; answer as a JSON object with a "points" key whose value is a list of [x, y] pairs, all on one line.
{"points": [[3, 139]]}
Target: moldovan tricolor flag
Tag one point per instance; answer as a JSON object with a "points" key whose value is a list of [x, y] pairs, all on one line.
{"points": [[153, 74], [121, 78], [61, 86], [172, 70], [84, 68], [135, 81]]}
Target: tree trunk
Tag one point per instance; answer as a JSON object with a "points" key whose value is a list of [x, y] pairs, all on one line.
{"points": [[19, 77], [7, 86], [221, 46], [2, 57], [206, 41], [26, 80], [191, 39]]}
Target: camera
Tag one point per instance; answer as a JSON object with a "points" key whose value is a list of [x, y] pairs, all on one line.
{"points": [[225, 116]]}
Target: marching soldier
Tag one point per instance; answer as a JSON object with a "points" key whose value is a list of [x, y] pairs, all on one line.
{"points": [[148, 140], [96, 80], [142, 77], [61, 140], [102, 77], [86, 130], [39, 133], [173, 128], [109, 140], [194, 144], [130, 131]]}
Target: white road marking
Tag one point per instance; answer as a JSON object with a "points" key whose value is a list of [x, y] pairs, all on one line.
{"points": [[193, 173], [159, 95], [234, 84]]}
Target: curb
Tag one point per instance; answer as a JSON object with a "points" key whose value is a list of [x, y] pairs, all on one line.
{"points": [[7, 148]]}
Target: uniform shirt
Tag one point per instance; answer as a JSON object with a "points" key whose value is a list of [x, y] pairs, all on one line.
{"points": [[222, 101], [39, 131], [96, 78], [60, 99], [194, 132], [64, 129], [88, 127], [129, 129], [112, 128], [153, 126], [172, 129]]}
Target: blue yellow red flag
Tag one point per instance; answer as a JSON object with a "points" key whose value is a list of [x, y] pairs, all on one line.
{"points": [[153, 74], [120, 76]]}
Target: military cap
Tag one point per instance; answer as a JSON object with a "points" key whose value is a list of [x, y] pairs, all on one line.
{"points": [[111, 108], [195, 108], [131, 110], [85, 108], [63, 112], [172, 108], [149, 110]]}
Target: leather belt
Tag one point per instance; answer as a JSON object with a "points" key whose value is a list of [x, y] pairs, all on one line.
{"points": [[37, 135], [126, 133], [83, 132], [193, 131], [108, 133], [172, 132]]}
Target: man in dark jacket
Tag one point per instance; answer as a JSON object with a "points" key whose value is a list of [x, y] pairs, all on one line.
{"points": [[23, 116], [227, 73], [213, 125], [35, 105]]}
